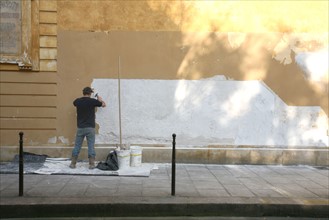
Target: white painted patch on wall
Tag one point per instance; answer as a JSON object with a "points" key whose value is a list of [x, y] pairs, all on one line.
{"points": [[52, 140], [315, 65], [62, 139], [204, 112]]}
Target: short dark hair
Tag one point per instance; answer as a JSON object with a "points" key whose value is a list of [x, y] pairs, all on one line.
{"points": [[87, 91]]}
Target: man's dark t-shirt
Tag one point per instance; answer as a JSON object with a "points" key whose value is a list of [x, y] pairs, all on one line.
{"points": [[86, 111]]}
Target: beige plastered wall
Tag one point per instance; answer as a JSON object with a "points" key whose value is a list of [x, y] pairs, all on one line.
{"points": [[169, 40]]}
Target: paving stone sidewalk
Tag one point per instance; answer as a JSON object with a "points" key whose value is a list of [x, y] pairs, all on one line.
{"points": [[201, 189]]}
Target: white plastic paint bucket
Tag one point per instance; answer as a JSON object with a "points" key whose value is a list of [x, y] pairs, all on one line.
{"points": [[123, 158], [135, 156]]}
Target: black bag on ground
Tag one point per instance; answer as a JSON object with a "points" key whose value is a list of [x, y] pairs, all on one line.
{"points": [[111, 162]]}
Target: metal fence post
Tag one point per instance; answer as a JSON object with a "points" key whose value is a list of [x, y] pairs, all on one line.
{"points": [[173, 166], [21, 164]]}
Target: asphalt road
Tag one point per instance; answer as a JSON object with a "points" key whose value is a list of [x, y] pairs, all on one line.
{"points": [[172, 218]]}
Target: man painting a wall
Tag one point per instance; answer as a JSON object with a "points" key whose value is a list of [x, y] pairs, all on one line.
{"points": [[86, 125]]}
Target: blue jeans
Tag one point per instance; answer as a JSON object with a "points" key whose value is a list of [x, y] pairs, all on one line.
{"points": [[89, 133]]}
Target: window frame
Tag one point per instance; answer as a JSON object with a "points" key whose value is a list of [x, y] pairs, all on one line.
{"points": [[28, 58]]}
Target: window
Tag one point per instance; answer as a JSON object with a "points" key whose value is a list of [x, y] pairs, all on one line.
{"points": [[16, 35]]}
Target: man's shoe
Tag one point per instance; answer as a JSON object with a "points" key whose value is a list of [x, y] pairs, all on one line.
{"points": [[73, 162], [91, 163]]}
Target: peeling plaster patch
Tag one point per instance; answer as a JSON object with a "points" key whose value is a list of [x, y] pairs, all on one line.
{"points": [[236, 39], [205, 112], [33, 143], [298, 43], [282, 51], [63, 139], [52, 140]]}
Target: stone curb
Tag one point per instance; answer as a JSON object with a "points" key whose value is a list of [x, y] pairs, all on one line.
{"points": [[168, 209]]}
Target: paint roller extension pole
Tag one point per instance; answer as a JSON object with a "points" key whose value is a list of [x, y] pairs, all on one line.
{"points": [[21, 165], [119, 94], [173, 166]]}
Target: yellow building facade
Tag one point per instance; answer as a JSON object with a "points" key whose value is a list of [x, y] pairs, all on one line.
{"points": [[67, 44]]}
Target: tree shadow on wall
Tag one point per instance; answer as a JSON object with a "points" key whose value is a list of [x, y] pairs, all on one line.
{"points": [[210, 54]]}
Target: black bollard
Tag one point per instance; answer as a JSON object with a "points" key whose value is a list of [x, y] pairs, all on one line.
{"points": [[173, 166], [21, 164]]}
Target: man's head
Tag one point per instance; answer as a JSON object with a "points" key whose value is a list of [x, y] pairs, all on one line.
{"points": [[87, 91]]}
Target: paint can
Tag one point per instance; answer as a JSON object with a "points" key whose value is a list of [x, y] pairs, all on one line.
{"points": [[123, 158], [135, 156]]}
